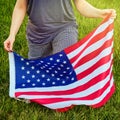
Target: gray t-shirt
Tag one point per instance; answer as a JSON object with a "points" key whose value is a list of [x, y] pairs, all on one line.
{"points": [[47, 18]]}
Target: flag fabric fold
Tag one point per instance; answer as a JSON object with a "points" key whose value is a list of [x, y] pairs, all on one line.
{"points": [[79, 75]]}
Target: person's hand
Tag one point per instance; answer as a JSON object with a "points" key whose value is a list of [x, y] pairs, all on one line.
{"points": [[8, 44], [111, 12]]}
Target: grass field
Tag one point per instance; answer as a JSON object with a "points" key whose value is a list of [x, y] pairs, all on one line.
{"points": [[11, 109]]}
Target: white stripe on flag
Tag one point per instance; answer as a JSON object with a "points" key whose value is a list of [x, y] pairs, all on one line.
{"points": [[12, 74], [90, 63], [80, 102]]}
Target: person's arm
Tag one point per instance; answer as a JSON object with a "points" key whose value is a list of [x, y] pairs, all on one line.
{"points": [[17, 19], [88, 10]]}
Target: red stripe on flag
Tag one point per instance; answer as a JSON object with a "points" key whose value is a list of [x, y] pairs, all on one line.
{"points": [[94, 67], [106, 98], [92, 55]]}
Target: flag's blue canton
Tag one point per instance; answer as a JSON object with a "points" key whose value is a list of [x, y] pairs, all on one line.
{"points": [[54, 70]]}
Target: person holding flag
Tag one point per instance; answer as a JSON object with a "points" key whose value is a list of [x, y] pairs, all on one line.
{"points": [[51, 26]]}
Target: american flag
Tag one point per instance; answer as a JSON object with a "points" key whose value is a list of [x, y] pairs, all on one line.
{"points": [[79, 75]]}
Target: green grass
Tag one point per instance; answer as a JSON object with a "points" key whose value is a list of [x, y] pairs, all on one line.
{"points": [[11, 109]]}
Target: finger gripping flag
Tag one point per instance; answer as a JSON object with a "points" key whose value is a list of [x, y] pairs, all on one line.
{"points": [[79, 75]]}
